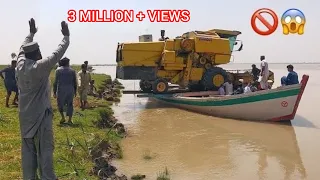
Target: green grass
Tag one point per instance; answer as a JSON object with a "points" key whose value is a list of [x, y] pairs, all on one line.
{"points": [[72, 144]]}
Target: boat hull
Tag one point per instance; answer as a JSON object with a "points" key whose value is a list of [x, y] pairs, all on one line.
{"points": [[270, 105]]}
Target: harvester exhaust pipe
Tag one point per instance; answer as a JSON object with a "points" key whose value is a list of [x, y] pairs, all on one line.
{"points": [[163, 32], [162, 35]]}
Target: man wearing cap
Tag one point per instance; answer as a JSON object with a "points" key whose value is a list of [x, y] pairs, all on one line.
{"points": [[65, 88], [292, 77], [264, 73], [35, 110]]}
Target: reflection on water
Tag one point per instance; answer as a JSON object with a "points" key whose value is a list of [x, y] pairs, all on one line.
{"points": [[199, 147]]}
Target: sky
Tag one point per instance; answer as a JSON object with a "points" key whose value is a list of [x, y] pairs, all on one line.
{"points": [[97, 42]]}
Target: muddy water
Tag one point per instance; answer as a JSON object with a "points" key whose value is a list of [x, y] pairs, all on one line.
{"points": [[198, 147]]}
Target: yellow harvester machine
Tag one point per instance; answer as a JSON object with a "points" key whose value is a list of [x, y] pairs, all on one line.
{"points": [[190, 61]]}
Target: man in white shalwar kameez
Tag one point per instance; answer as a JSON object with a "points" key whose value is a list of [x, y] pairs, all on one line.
{"points": [[264, 73], [35, 111]]}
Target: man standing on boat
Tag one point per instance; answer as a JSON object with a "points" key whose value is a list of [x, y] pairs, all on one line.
{"points": [[264, 73], [292, 77]]}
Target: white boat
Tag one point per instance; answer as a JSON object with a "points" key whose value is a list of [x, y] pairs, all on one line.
{"points": [[279, 104]]}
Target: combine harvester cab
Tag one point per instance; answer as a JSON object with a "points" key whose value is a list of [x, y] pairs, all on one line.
{"points": [[190, 61]]}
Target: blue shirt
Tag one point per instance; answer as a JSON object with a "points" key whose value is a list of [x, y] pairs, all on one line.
{"points": [[9, 74], [65, 80], [292, 78]]}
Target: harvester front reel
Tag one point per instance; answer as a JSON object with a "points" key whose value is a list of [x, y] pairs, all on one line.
{"points": [[160, 86]]}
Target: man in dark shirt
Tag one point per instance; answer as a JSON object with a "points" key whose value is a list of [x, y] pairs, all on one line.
{"points": [[10, 82], [65, 89], [292, 77], [255, 72]]}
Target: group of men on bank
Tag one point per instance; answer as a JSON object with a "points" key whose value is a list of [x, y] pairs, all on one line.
{"points": [[66, 85]]}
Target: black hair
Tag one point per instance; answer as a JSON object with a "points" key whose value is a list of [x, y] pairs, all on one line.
{"points": [[64, 63], [86, 62], [13, 62], [290, 66], [83, 66], [253, 65]]}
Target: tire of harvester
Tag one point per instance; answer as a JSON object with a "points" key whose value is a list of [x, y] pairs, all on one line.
{"points": [[213, 78], [145, 86], [160, 86]]}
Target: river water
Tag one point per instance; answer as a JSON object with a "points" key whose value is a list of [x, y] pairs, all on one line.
{"points": [[198, 147]]}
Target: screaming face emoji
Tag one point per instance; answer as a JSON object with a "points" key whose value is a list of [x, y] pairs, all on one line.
{"points": [[293, 21]]}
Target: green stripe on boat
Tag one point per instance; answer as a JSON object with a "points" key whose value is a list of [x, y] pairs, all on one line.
{"points": [[242, 100]]}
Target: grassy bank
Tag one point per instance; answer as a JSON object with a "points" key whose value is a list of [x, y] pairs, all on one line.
{"points": [[72, 144]]}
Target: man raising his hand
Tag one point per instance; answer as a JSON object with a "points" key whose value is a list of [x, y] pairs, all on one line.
{"points": [[35, 111]]}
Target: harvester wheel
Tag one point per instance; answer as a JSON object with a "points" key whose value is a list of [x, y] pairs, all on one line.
{"points": [[213, 78], [145, 86], [160, 86]]}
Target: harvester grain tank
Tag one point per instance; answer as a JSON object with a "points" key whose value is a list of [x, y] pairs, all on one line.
{"points": [[190, 61]]}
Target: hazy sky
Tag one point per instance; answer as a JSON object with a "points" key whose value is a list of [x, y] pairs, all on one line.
{"points": [[96, 42]]}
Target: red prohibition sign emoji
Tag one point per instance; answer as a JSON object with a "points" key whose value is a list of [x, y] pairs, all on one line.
{"points": [[284, 104], [257, 15]]}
